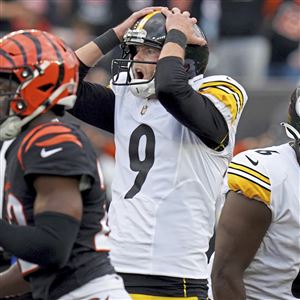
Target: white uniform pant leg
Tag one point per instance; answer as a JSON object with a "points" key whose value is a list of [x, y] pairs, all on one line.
{"points": [[106, 287]]}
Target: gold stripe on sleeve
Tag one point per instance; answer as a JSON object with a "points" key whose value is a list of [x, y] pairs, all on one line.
{"points": [[228, 85], [228, 99], [249, 188], [250, 171]]}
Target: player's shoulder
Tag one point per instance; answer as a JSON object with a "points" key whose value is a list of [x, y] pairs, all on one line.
{"points": [[226, 93], [46, 140], [267, 158], [51, 133], [256, 172], [220, 79]]}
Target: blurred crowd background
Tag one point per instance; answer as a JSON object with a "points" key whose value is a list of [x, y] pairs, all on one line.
{"points": [[257, 42]]}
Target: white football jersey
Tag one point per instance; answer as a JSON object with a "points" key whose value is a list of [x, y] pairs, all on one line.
{"points": [[271, 175], [166, 182]]}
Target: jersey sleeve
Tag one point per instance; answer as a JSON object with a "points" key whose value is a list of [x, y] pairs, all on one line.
{"points": [[226, 94], [95, 104], [195, 111], [247, 174], [55, 149]]}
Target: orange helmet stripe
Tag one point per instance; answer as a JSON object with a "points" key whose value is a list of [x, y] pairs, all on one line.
{"points": [[60, 59], [21, 48], [7, 57], [37, 44]]}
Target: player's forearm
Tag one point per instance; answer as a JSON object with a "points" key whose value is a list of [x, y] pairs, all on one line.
{"points": [[228, 287], [89, 54], [193, 110], [48, 243], [12, 282], [175, 44], [92, 52]]}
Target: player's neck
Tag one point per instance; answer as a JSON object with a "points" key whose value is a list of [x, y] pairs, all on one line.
{"points": [[44, 118]]}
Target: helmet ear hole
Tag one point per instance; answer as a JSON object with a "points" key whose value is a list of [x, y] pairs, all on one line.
{"points": [[45, 87]]}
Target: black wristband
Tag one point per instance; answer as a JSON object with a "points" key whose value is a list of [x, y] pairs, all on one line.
{"points": [[176, 36], [107, 41]]}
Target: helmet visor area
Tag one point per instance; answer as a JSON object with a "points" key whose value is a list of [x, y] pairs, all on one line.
{"points": [[9, 91], [123, 74]]}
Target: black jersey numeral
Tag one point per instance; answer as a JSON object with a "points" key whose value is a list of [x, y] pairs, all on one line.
{"points": [[266, 152], [136, 164]]}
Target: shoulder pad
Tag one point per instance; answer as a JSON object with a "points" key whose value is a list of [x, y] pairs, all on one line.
{"points": [[247, 174], [226, 90]]}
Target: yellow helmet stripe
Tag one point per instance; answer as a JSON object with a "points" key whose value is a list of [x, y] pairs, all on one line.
{"points": [[145, 19]]}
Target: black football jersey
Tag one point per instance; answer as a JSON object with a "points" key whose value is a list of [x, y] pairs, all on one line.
{"points": [[61, 149]]}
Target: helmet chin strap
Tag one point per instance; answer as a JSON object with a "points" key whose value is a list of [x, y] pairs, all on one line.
{"points": [[142, 90], [12, 126]]}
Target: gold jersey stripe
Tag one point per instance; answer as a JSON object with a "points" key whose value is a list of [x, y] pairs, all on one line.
{"points": [[149, 297], [145, 19], [228, 99], [249, 188], [250, 171], [184, 288], [221, 145], [228, 85]]}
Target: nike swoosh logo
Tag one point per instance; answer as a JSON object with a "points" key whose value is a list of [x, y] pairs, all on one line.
{"points": [[46, 153], [254, 163]]}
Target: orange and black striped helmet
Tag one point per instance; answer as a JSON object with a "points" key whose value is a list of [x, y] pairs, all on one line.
{"points": [[45, 69]]}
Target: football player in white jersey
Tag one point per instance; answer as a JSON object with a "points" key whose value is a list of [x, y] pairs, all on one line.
{"points": [[174, 133], [257, 252]]}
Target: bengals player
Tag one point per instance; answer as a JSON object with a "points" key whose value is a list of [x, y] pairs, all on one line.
{"points": [[54, 194]]}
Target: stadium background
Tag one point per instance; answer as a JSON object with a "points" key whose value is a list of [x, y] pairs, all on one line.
{"points": [[257, 42]]}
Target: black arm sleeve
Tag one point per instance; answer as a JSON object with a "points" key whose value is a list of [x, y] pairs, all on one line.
{"points": [[48, 243], [95, 103], [190, 108]]}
